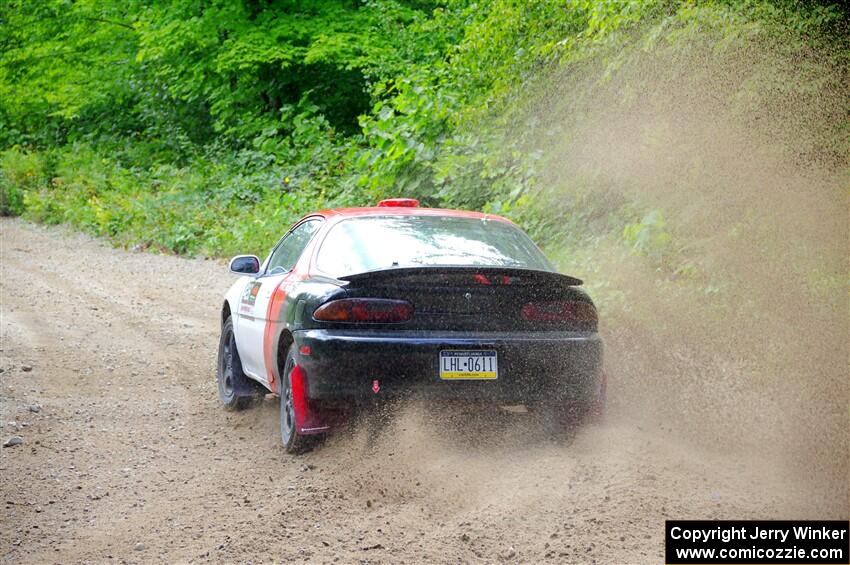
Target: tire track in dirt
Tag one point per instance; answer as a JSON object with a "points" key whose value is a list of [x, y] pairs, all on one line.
{"points": [[131, 447]]}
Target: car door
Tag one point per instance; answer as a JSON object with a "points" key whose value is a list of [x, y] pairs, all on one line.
{"points": [[254, 303]]}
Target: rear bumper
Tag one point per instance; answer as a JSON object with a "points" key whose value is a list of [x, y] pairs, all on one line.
{"points": [[533, 366]]}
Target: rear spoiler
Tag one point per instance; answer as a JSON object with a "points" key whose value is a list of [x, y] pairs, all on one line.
{"points": [[486, 274]]}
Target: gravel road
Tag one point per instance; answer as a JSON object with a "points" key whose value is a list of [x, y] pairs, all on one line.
{"points": [[107, 361]]}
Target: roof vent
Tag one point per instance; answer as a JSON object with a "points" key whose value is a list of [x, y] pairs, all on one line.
{"points": [[399, 203]]}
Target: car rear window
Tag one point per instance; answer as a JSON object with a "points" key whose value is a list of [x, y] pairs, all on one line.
{"points": [[357, 245]]}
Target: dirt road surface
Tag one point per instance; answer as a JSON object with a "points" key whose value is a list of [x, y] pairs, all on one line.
{"points": [[108, 376]]}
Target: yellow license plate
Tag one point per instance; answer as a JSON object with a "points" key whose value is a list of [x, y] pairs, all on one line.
{"points": [[478, 365]]}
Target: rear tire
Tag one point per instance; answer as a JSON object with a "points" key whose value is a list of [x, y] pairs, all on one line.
{"points": [[229, 375], [292, 440]]}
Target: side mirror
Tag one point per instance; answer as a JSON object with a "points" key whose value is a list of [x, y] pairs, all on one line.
{"points": [[245, 265]]}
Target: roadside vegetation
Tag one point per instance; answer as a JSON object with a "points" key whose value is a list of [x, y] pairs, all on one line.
{"points": [[208, 127]]}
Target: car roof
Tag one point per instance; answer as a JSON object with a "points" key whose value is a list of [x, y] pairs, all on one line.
{"points": [[341, 213]]}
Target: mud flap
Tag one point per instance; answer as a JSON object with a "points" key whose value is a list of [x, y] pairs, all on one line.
{"points": [[600, 406], [309, 420], [248, 387]]}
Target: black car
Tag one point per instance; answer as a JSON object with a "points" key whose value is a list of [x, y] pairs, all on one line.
{"points": [[358, 304]]}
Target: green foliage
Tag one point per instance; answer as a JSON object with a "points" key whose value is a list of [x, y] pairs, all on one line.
{"points": [[207, 127], [213, 205], [11, 197], [19, 173], [649, 236], [175, 74], [243, 64]]}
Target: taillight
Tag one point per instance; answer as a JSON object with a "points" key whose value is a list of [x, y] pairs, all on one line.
{"points": [[367, 310], [482, 279], [560, 311], [399, 203]]}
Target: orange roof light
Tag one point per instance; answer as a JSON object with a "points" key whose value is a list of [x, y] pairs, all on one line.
{"points": [[399, 203]]}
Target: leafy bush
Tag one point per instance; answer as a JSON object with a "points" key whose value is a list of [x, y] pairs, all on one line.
{"points": [[649, 236], [11, 197], [207, 129]]}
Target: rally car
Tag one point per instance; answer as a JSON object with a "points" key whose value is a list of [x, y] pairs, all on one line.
{"points": [[359, 304]]}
